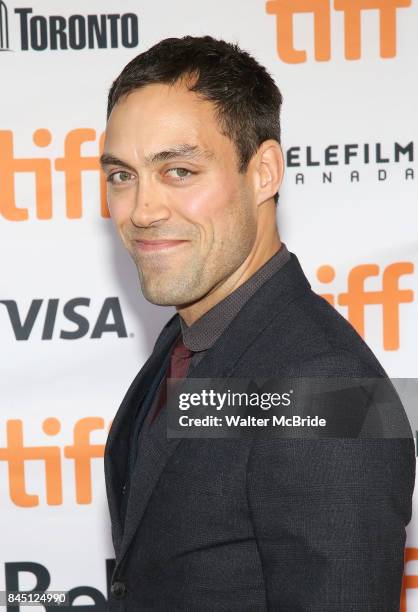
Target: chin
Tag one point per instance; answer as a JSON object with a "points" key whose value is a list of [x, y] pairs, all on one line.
{"points": [[164, 292], [158, 301], [159, 298]]}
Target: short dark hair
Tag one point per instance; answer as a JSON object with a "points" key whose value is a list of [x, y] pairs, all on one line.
{"points": [[246, 98]]}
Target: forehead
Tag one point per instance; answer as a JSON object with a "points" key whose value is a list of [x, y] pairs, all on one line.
{"points": [[159, 115]]}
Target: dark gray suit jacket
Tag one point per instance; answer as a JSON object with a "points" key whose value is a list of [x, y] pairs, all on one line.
{"points": [[241, 525]]}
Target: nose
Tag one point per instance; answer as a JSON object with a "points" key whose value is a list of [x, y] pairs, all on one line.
{"points": [[149, 205]]}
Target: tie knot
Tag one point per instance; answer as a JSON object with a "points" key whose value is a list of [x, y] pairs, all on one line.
{"points": [[179, 360], [180, 351], [177, 368]]}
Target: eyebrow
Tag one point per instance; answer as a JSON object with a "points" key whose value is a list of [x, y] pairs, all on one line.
{"points": [[181, 150], [106, 159]]}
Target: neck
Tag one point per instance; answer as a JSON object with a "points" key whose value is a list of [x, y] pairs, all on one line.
{"points": [[262, 251]]}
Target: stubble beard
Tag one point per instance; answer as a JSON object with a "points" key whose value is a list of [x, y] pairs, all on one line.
{"points": [[199, 275], [171, 287]]}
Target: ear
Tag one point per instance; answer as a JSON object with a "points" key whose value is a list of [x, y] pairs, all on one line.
{"points": [[268, 170]]}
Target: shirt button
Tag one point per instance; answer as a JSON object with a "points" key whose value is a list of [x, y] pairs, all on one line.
{"points": [[124, 489], [118, 589]]}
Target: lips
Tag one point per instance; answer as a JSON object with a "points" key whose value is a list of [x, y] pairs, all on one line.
{"points": [[152, 245]]}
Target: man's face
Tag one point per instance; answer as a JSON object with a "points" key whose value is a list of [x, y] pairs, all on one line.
{"points": [[173, 176]]}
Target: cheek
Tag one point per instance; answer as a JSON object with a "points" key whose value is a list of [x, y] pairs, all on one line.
{"points": [[207, 210], [208, 202], [120, 204], [120, 212]]}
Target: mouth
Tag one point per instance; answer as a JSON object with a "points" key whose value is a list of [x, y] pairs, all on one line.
{"points": [[157, 245]]}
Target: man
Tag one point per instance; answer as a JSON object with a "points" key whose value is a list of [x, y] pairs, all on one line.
{"points": [[194, 164]]}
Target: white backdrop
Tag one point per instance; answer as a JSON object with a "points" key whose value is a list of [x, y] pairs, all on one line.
{"points": [[74, 326]]}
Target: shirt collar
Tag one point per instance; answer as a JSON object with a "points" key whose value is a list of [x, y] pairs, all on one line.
{"points": [[204, 332]]}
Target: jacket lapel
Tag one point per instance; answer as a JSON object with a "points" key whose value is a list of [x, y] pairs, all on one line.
{"points": [[220, 361], [117, 443]]}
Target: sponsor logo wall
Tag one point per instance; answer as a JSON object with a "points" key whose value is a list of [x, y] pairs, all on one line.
{"points": [[74, 326]]}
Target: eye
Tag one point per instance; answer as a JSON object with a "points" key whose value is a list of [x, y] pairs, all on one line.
{"points": [[180, 173], [117, 178]]}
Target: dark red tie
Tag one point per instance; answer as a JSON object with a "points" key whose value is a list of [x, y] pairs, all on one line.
{"points": [[177, 368]]}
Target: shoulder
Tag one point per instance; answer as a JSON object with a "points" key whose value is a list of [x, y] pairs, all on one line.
{"points": [[311, 338]]}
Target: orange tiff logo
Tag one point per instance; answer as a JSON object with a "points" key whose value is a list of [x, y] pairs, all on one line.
{"points": [[321, 10], [356, 298], [72, 164], [81, 452], [409, 581]]}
